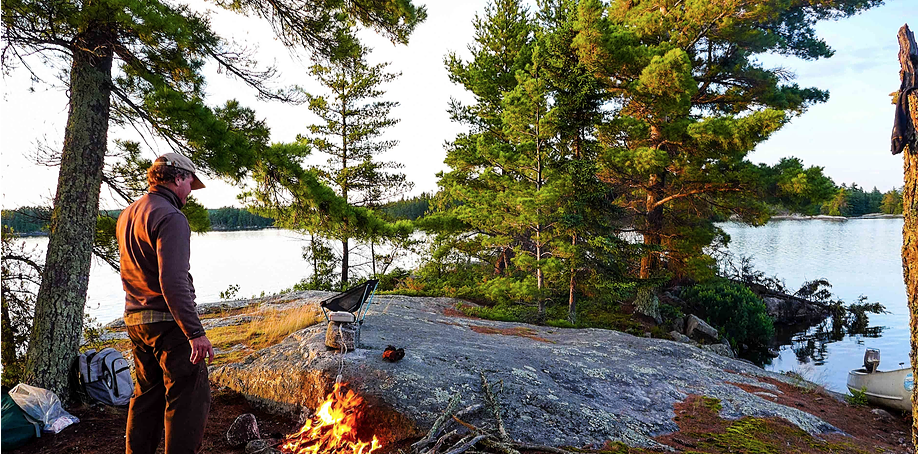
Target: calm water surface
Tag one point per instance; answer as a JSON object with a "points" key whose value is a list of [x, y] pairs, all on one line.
{"points": [[858, 257], [257, 261]]}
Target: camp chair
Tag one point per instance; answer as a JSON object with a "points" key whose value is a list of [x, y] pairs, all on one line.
{"points": [[350, 306]]}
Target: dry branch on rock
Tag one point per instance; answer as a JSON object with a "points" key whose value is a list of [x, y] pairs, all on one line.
{"points": [[467, 436]]}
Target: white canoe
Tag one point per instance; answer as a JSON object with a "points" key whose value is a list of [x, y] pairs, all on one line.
{"points": [[891, 388]]}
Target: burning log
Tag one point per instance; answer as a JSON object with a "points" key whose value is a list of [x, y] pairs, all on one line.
{"points": [[333, 428]]}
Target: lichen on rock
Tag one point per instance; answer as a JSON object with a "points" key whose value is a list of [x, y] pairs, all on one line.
{"points": [[584, 387]]}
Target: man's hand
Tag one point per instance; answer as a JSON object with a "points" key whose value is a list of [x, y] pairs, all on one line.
{"points": [[200, 349]]}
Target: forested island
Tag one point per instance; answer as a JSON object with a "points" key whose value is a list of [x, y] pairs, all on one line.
{"points": [[35, 220], [848, 201], [31, 220]]}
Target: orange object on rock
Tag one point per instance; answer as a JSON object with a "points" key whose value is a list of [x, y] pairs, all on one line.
{"points": [[393, 354]]}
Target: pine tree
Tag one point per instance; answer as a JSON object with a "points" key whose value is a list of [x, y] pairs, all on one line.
{"points": [[157, 51], [892, 202], [528, 128], [523, 181], [691, 100], [353, 120], [788, 185], [584, 212], [497, 183]]}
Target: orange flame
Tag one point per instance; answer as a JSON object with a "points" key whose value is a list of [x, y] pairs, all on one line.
{"points": [[333, 428]]}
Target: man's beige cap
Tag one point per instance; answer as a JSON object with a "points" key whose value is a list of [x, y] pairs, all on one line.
{"points": [[178, 161]]}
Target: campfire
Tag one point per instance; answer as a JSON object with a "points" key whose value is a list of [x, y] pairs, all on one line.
{"points": [[333, 428]]}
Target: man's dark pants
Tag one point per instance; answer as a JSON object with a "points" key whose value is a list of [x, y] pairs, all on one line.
{"points": [[172, 394]]}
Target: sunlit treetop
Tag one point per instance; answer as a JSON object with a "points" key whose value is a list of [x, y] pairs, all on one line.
{"points": [[159, 49]]}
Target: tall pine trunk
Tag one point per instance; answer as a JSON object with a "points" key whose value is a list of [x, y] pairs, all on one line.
{"points": [[653, 227], [653, 223], [572, 295], [344, 264], [910, 257], [58, 320], [908, 55], [540, 278]]}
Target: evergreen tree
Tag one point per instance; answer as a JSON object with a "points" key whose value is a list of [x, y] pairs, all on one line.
{"points": [[788, 185], [20, 276], [496, 186], [691, 100], [892, 202], [353, 120], [838, 205], [139, 62], [322, 259], [584, 213], [522, 193], [529, 128], [874, 200]]}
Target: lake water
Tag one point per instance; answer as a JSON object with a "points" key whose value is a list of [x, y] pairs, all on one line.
{"points": [[257, 261], [857, 257]]}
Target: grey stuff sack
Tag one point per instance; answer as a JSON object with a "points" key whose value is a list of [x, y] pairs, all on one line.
{"points": [[106, 376]]}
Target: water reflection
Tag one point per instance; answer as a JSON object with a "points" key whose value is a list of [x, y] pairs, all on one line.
{"points": [[859, 257], [812, 345]]}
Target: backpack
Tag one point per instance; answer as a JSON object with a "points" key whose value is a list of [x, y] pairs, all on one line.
{"points": [[18, 427], [106, 376]]}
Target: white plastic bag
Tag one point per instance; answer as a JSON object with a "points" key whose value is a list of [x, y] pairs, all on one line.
{"points": [[44, 406]]}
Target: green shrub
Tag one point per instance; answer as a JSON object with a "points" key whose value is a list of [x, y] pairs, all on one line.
{"points": [[502, 312], [858, 398], [392, 280], [737, 312], [669, 312]]}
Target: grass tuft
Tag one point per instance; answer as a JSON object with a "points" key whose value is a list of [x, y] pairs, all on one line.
{"points": [[266, 329]]}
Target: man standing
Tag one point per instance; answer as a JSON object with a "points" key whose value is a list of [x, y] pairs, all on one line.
{"points": [[172, 392]]}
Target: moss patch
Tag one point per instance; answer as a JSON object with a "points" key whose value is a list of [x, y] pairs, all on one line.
{"points": [[515, 331], [703, 431]]}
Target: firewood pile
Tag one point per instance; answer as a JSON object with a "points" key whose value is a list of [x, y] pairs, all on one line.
{"points": [[450, 434]]}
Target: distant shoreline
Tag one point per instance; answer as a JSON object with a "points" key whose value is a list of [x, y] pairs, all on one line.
{"points": [[779, 217], [822, 217], [218, 229]]}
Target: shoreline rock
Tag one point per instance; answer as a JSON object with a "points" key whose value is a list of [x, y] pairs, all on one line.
{"points": [[561, 387]]}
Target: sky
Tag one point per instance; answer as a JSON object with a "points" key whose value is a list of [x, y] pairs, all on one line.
{"points": [[848, 135]]}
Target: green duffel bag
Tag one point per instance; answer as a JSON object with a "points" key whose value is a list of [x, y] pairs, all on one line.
{"points": [[17, 427]]}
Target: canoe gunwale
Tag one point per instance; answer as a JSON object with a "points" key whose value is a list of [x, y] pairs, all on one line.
{"points": [[882, 387]]}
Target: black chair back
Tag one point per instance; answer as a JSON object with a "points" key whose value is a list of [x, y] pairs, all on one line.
{"points": [[352, 300]]}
